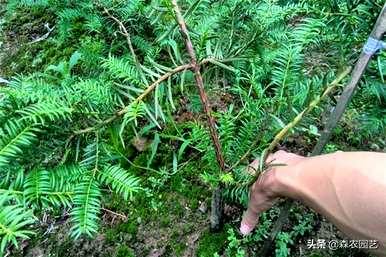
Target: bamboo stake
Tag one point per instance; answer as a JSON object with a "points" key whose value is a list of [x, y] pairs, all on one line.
{"points": [[216, 205], [378, 30]]}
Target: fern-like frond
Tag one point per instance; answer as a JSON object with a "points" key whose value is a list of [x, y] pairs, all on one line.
{"points": [[127, 9], [85, 213], [135, 111], [17, 135], [122, 69], [94, 95], [14, 4], [37, 187], [90, 156], [227, 132], [287, 66], [308, 32], [43, 189], [14, 220], [42, 111], [65, 177], [120, 181]]}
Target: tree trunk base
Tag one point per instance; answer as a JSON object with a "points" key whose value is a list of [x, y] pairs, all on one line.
{"points": [[216, 213]]}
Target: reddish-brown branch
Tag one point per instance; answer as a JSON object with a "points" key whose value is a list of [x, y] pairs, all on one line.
{"points": [[200, 84]]}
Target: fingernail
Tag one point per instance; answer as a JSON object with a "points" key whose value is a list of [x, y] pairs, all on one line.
{"points": [[245, 229]]}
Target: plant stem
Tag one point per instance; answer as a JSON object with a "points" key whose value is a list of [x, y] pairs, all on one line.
{"points": [[125, 33], [284, 131], [216, 196], [148, 90], [199, 83], [122, 216]]}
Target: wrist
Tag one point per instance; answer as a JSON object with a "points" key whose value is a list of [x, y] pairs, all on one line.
{"points": [[300, 180]]}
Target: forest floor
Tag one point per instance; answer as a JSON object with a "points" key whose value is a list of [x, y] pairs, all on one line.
{"points": [[174, 223]]}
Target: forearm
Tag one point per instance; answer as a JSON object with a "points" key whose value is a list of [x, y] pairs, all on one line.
{"points": [[347, 188]]}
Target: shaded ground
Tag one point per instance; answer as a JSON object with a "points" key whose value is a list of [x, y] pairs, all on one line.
{"points": [[177, 230], [175, 233]]}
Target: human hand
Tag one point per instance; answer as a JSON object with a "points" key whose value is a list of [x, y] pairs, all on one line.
{"points": [[265, 191], [348, 188]]}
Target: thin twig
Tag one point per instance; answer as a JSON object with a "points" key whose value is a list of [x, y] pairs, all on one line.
{"points": [[124, 32], [137, 100], [122, 216], [282, 133], [45, 36]]}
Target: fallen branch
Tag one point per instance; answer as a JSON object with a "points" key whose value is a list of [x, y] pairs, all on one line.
{"points": [[216, 197], [45, 36], [122, 216], [4, 81]]}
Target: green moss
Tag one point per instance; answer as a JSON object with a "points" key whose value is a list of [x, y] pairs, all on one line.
{"points": [[194, 204], [124, 251], [128, 227], [178, 209], [140, 160], [177, 247], [188, 228], [211, 243], [165, 221], [62, 249], [175, 234], [110, 236]]}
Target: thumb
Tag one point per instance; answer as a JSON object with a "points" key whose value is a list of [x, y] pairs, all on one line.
{"points": [[249, 221], [261, 198]]}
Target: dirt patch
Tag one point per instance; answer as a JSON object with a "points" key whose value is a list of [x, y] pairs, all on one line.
{"points": [[174, 231], [174, 234]]}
